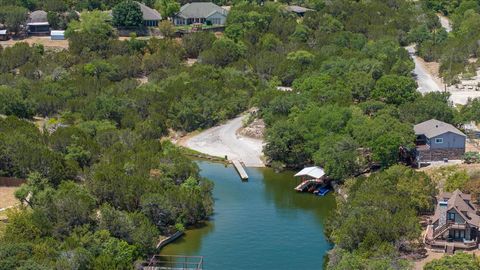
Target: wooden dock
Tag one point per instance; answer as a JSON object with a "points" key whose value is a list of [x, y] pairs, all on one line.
{"points": [[241, 171]]}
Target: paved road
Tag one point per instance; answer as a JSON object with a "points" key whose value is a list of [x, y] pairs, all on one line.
{"points": [[425, 81], [223, 140]]}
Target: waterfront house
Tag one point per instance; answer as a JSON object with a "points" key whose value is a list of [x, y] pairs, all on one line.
{"points": [[150, 16], [455, 223], [437, 141], [37, 23], [200, 12]]}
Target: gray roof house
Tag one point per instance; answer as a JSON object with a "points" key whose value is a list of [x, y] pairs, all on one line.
{"points": [[37, 23], [455, 223], [151, 17], [300, 11], [200, 12], [437, 140]]}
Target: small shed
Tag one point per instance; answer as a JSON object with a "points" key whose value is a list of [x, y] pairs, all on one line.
{"points": [[312, 173], [38, 23], [57, 35], [4, 35]]}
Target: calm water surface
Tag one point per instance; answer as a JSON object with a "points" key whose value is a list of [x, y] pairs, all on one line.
{"points": [[259, 224]]}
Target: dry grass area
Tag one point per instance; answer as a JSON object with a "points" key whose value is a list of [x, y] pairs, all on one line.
{"points": [[472, 145], [45, 41], [7, 197], [419, 264]]}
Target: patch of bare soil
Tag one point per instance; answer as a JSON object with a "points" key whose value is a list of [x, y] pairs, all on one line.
{"points": [[7, 197], [47, 42], [190, 61], [142, 80], [431, 255], [255, 130]]}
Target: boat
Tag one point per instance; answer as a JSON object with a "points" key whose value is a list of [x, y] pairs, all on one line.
{"points": [[322, 191]]}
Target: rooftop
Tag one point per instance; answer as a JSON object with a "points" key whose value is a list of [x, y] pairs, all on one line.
{"points": [[314, 172], [433, 127], [149, 14], [297, 9], [38, 16], [461, 203], [200, 10]]}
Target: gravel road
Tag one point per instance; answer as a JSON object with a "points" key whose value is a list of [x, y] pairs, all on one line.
{"points": [[223, 140]]}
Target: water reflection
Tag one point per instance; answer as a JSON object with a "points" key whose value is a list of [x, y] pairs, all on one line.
{"points": [[260, 224]]}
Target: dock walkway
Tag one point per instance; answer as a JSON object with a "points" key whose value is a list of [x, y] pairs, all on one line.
{"points": [[241, 171]]}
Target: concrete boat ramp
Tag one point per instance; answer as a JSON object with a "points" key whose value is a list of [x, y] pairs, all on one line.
{"points": [[224, 141]]}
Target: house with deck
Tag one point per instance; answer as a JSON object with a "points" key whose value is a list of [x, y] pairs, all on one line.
{"points": [[200, 12], [455, 224], [37, 24], [437, 141]]}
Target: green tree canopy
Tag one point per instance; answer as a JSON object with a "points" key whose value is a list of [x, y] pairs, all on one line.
{"points": [[127, 14]]}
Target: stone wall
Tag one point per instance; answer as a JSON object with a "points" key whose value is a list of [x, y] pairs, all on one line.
{"points": [[440, 154]]}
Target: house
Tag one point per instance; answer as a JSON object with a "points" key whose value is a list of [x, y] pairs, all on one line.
{"points": [[151, 17], [4, 35], [300, 11], [200, 12], [455, 223], [437, 141], [37, 23], [57, 35]]}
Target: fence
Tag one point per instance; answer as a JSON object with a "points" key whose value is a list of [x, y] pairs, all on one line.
{"points": [[11, 182]]}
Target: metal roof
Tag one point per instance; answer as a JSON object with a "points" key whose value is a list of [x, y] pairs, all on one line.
{"points": [[57, 32], [3, 32], [200, 10], [298, 9], [433, 128], [38, 16], [314, 172]]}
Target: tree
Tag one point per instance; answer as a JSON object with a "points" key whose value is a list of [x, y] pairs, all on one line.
{"points": [[91, 33], [197, 42], [459, 261], [167, 8], [13, 17], [394, 89], [431, 105], [11, 103], [338, 155], [127, 14], [167, 29], [223, 52]]}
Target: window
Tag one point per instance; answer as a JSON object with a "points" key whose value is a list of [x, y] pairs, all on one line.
{"points": [[438, 140], [451, 216]]}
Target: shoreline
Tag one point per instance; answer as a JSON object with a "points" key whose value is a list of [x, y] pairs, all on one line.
{"points": [[222, 142]]}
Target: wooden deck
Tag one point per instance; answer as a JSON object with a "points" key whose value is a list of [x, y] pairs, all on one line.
{"points": [[241, 171]]}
